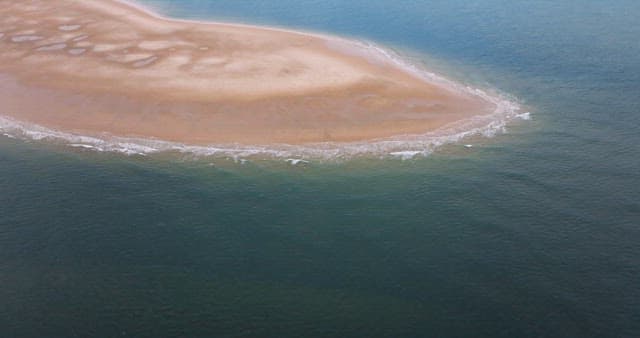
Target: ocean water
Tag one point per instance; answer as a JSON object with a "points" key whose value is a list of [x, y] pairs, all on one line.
{"points": [[532, 232]]}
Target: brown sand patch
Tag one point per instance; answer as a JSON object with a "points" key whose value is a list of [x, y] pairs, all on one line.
{"points": [[129, 73]]}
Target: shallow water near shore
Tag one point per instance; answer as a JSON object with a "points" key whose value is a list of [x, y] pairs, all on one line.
{"points": [[532, 232]]}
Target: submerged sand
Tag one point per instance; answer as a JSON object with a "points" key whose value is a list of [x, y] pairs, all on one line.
{"points": [[104, 66]]}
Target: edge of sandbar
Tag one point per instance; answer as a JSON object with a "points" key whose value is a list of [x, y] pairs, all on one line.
{"points": [[400, 145]]}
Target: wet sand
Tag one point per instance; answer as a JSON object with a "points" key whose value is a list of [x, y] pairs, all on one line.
{"points": [[104, 66]]}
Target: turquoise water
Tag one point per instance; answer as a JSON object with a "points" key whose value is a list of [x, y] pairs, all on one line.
{"points": [[533, 232]]}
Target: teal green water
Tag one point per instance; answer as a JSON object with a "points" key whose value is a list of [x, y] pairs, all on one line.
{"points": [[531, 233]]}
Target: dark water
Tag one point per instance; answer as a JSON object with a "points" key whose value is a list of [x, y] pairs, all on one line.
{"points": [[535, 232]]}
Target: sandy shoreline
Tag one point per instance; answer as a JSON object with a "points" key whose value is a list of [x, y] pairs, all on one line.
{"points": [[104, 66]]}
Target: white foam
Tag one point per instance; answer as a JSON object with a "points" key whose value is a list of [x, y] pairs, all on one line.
{"points": [[407, 155], [86, 146], [296, 161], [524, 116]]}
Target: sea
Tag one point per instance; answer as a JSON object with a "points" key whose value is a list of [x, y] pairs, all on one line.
{"points": [[526, 227]]}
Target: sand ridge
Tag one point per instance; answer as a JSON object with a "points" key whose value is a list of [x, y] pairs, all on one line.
{"points": [[97, 66]]}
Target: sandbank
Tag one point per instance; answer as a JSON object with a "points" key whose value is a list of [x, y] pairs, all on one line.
{"points": [[107, 67]]}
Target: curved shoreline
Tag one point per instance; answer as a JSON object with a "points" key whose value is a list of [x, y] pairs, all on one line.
{"points": [[151, 12], [404, 100], [402, 146]]}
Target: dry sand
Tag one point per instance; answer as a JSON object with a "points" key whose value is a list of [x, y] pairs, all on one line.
{"points": [[103, 66]]}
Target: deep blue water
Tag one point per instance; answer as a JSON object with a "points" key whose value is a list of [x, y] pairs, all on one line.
{"points": [[532, 233]]}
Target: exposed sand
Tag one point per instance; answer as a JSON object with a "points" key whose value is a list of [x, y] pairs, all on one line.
{"points": [[102, 66]]}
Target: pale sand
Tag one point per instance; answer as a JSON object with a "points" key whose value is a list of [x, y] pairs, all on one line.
{"points": [[102, 66]]}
